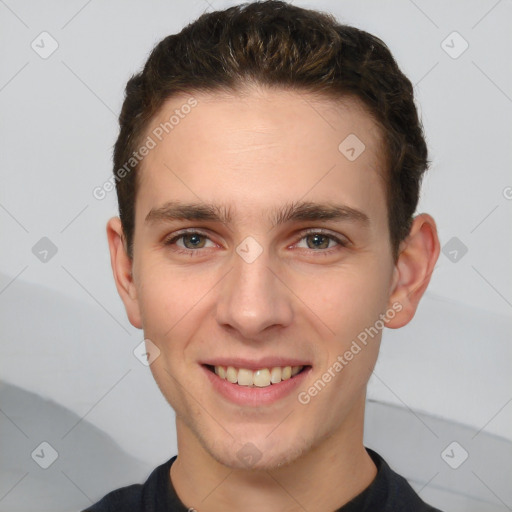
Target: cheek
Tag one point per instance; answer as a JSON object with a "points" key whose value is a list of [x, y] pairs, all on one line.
{"points": [[347, 299], [349, 303], [171, 299], [164, 299]]}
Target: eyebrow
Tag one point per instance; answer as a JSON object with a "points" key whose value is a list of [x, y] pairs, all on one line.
{"points": [[291, 212]]}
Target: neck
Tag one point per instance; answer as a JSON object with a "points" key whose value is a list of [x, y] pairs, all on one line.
{"points": [[323, 479]]}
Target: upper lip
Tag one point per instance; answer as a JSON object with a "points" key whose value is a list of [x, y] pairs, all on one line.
{"points": [[251, 364]]}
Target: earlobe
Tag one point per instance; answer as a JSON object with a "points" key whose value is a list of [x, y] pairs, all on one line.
{"points": [[122, 268], [413, 270]]}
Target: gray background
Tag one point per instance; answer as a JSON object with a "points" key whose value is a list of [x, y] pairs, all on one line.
{"points": [[69, 374]]}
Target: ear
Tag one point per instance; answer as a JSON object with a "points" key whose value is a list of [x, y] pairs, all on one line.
{"points": [[122, 270], [413, 269]]}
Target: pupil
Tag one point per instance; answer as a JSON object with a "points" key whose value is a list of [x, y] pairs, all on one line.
{"points": [[318, 238], [193, 240]]}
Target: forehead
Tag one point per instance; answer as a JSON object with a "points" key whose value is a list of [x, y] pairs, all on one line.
{"points": [[262, 113], [257, 145]]}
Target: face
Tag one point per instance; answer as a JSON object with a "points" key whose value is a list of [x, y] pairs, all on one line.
{"points": [[287, 263]]}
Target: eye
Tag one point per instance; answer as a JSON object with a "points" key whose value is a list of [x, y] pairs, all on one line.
{"points": [[320, 241], [316, 240], [191, 240]]}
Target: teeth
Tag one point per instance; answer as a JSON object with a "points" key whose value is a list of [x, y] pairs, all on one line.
{"points": [[295, 370], [231, 374], [275, 375], [259, 378], [245, 377]]}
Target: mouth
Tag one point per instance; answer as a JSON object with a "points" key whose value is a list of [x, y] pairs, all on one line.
{"points": [[256, 378], [256, 383]]}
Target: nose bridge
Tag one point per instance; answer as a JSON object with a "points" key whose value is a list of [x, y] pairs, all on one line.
{"points": [[251, 297]]}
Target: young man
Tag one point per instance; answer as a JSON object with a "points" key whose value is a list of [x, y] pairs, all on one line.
{"points": [[268, 168]]}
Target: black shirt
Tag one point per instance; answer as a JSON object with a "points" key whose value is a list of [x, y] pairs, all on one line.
{"points": [[389, 492]]}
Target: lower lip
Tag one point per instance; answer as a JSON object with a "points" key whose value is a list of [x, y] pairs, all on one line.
{"points": [[255, 396]]}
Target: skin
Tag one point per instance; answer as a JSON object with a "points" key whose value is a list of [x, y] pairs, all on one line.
{"points": [[255, 150]]}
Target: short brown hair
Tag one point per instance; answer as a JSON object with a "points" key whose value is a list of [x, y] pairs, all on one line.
{"points": [[280, 45]]}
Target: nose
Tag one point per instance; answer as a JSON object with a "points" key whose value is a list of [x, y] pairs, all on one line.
{"points": [[253, 297]]}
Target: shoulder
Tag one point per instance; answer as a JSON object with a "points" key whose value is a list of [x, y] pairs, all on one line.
{"points": [[399, 495], [137, 497], [128, 499]]}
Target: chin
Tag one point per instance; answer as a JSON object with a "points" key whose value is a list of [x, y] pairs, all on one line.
{"points": [[259, 454]]}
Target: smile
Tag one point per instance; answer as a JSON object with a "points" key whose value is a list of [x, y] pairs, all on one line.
{"points": [[250, 383], [260, 378]]}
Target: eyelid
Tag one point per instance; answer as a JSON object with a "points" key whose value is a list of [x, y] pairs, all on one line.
{"points": [[341, 240], [187, 231]]}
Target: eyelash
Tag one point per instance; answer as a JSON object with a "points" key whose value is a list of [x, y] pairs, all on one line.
{"points": [[193, 252]]}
